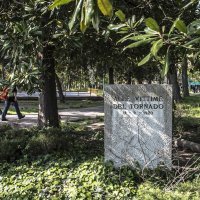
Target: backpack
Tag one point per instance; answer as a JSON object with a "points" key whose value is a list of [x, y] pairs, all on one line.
{"points": [[4, 94]]}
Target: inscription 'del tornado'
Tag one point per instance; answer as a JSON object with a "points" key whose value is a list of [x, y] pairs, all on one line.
{"points": [[138, 125]]}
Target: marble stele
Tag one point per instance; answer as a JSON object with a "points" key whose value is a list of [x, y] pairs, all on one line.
{"points": [[138, 125]]}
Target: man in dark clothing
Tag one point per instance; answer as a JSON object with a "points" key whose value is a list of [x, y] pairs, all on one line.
{"points": [[11, 99]]}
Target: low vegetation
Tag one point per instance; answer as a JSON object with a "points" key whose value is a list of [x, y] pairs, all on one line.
{"points": [[68, 163], [187, 118]]}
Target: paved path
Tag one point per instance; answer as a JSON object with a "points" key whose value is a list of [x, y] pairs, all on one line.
{"points": [[66, 115], [66, 94]]}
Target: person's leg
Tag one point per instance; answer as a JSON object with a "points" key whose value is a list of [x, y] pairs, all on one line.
{"points": [[5, 110], [15, 104], [0, 110]]}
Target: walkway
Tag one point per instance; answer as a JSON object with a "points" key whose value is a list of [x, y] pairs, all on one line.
{"points": [[66, 115], [66, 94]]}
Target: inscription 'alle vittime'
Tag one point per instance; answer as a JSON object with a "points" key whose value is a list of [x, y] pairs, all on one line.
{"points": [[144, 103]]}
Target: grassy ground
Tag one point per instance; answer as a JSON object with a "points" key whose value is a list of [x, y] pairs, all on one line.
{"points": [[29, 107], [189, 110], [69, 164], [187, 119]]}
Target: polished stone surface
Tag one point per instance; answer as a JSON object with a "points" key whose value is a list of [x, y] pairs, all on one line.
{"points": [[138, 125]]}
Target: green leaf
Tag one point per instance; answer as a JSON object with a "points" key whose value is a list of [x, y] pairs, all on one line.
{"points": [[195, 41], [157, 45], [105, 7], [114, 27], [89, 10], [57, 35], [96, 20], [59, 3], [145, 59], [134, 23], [38, 33], [173, 26], [150, 31], [120, 15], [139, 43], [75, 14], [139, 37], [6, 45], [191, 2], [180, 25], [167, 63], [125, 38], [152, 24], [194, 27], [83, 26], [196, 55]]}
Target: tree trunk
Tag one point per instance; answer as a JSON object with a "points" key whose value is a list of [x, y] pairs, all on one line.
{"points": [[173, 79], [149, 81], [41, 118], [175, 85], [129, 76], [185, 77], [129, 80], [48, 114], [60, 90], [111, 75], [185, 144]]}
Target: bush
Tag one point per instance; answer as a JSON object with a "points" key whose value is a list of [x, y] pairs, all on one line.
{"points": [[12, 143], [47, 141], [17, 143]]}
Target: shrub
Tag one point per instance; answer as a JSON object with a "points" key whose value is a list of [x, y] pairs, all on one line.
{"points": [[33, 142], [47, 141], [12, 143]]}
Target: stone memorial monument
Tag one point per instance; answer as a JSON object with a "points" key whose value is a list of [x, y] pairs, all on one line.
{"points": [[138, 125]]}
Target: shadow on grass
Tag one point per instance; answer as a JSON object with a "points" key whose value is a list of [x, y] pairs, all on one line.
{"points": [[49, 153], [17, 143], [53, 160], [187, 118]]}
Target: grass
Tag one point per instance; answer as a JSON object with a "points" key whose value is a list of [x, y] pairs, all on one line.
{"points": [[79, 171], [188, 118], [82, 177], [31, 107], [79, 104], [189, 109], [82, 124]]}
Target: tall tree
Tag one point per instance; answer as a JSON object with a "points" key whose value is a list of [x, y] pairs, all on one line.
{"points": [[29, 38], [184, 73], [60, 90]]}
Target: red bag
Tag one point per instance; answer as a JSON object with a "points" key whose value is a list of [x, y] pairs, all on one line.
{"points": [[4, 94]]}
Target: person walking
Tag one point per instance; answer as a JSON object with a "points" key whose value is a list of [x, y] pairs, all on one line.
{"points": [[11, 99]]}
